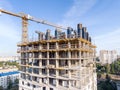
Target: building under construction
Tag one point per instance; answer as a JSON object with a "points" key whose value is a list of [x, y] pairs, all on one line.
{"points": [[64, 61]]}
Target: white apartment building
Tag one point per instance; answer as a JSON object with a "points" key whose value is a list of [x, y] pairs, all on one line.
{"points": [[7, 76], [107, 56]]}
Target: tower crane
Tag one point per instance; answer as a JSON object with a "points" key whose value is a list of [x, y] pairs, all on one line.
{"points": [[25, 18]]}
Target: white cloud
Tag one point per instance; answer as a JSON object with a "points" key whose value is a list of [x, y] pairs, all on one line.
{"points": [[108, 41], [79, 8]]}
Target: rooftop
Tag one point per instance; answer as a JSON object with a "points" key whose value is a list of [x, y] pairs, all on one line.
{"points": [[9, 73]]}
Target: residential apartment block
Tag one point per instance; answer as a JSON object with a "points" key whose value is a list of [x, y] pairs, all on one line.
{"points": [[8, 75], [108, 56]]}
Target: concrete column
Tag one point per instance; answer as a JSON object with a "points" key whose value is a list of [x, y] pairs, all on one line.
{"points": [[69, 64], [57, 64], [57, 61], [75, 54], [69, 73], [47, 88], [56, 44], [40, 60], [47, 68], [79, 44], [79, 57], [57, 71], [33, 58], [47, 63], [47, 54], [57, 82], [40, 63], [40, 80], [40, 46], [57, 56], [69, 61]]}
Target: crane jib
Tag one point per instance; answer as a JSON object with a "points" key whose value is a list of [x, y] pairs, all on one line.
{"points": [[25, 18]]}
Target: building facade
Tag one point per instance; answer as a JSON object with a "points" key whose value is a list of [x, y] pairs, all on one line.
{"points": [[5, 78], [63, 62], [108, 56]]}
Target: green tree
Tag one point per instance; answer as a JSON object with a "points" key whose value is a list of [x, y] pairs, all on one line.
{"points": [[1, 88], [116, 66], [14, 88], [103, 69], [107, 68], [10, 84], [112, 68], [105, 85], [97, 59], [108, 78], [98, 75], [16, 81]]}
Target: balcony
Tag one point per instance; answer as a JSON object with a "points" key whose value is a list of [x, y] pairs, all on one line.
{"points": [[29, 70], [74, 46], [36, 63], [44, 72], [36, 55], [52, 55], [23, 69], [50, 66], [34, 49], [52, 81], [36, 79], [52, 46], [30, 63], [52, 72], [23, 62], [20, 50], [44, 55], [63, 54], [29, 77], [44, 47], [44, 80], [62, 46], [23, 76], [35, 70]]}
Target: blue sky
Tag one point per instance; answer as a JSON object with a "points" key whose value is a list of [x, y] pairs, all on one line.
{"points": [[101, 17]]}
